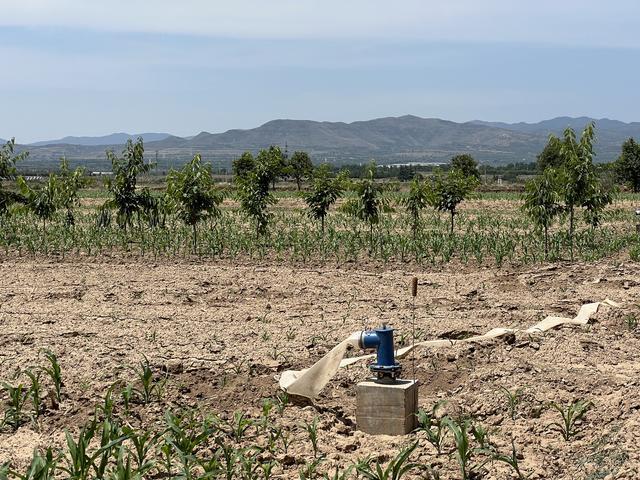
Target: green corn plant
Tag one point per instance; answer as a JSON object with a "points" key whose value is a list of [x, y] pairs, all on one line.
{"points": [[464, 450], [309, 470], [111, 436], [239, 425], [229, 455], [35, 391], [512, 461], [266, 468], [42, 467], [149, 385], [144, 442], [127, 395], [513, 400], [432, 426], [571, 413], [122, 469], [312, 431], [55, 373], [397, 467], [17, 397], [185, 434], [339, 474]]}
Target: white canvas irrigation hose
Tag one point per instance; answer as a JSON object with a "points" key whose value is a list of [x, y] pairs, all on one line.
{"points": [[309, 382]]}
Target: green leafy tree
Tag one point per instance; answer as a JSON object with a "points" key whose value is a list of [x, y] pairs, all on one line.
{"points": [[551, 155], [324, 193], [126, 200], [370, 201], [253, 188], [466, 164], [278, 163], [193, 191], [582, 187], [8, 160], [627, 166], [299, 167], [416, 200], [448, 191], [69, 183], [43, 201], [243, 165], [543, 202]]}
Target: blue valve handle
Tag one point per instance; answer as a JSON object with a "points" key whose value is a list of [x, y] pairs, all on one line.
{"points": [[382, 340]]}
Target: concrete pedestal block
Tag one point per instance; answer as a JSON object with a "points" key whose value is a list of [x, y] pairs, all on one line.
{"points": [[386, 408]]}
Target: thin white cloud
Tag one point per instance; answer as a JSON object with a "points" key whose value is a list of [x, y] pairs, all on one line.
{"points": [[570, 22]]}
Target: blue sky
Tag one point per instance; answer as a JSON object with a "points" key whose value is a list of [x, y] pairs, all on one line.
{"points": [[78, 67]]}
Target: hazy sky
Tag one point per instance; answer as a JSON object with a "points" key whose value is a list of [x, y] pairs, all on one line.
{"points": [[92, 67]]}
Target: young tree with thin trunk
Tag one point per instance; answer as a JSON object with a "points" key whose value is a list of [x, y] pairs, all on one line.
{"points": [[370, 201], [43, 202], [8, 160], [299, 167], [194, 195], [448, 191], [627, 166], [543, 202], [126, 200], [582, 187], [416, 200], [324, 193], [253, 188], [69, 183]]}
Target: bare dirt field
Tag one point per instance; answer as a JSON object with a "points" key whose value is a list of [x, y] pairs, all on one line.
{"points": [[224, 332]]}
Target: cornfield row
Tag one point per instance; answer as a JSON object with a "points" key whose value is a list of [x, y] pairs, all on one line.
{"points": [[483, 236]]}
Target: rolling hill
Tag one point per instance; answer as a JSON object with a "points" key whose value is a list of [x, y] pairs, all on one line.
{"points": [[387, 140]]}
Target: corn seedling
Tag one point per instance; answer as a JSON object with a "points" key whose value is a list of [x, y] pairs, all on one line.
{"points": [[17, 397], [571, 414], [42, 467], [432, 426], [395, 469], [512, 461], [149, 385], [513, 400], [309, 470], [239, 426], [312, 432], [338, 474], [463, 448], [55, 373], [35, 391]]}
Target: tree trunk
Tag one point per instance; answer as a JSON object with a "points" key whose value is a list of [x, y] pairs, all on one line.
{"points": [[322, 225], [453, 212], [546, 242], [571, 215], [298, 182], [195, 239]]}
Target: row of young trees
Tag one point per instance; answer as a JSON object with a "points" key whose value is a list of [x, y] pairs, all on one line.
{"points": [[60, 191], [569, 182]]}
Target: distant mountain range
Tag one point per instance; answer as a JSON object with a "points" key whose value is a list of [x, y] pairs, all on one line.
{"points": [[387, 140], [113, 139]]}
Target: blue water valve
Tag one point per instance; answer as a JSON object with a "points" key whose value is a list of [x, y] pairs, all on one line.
{"points": [[381, 339]]}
